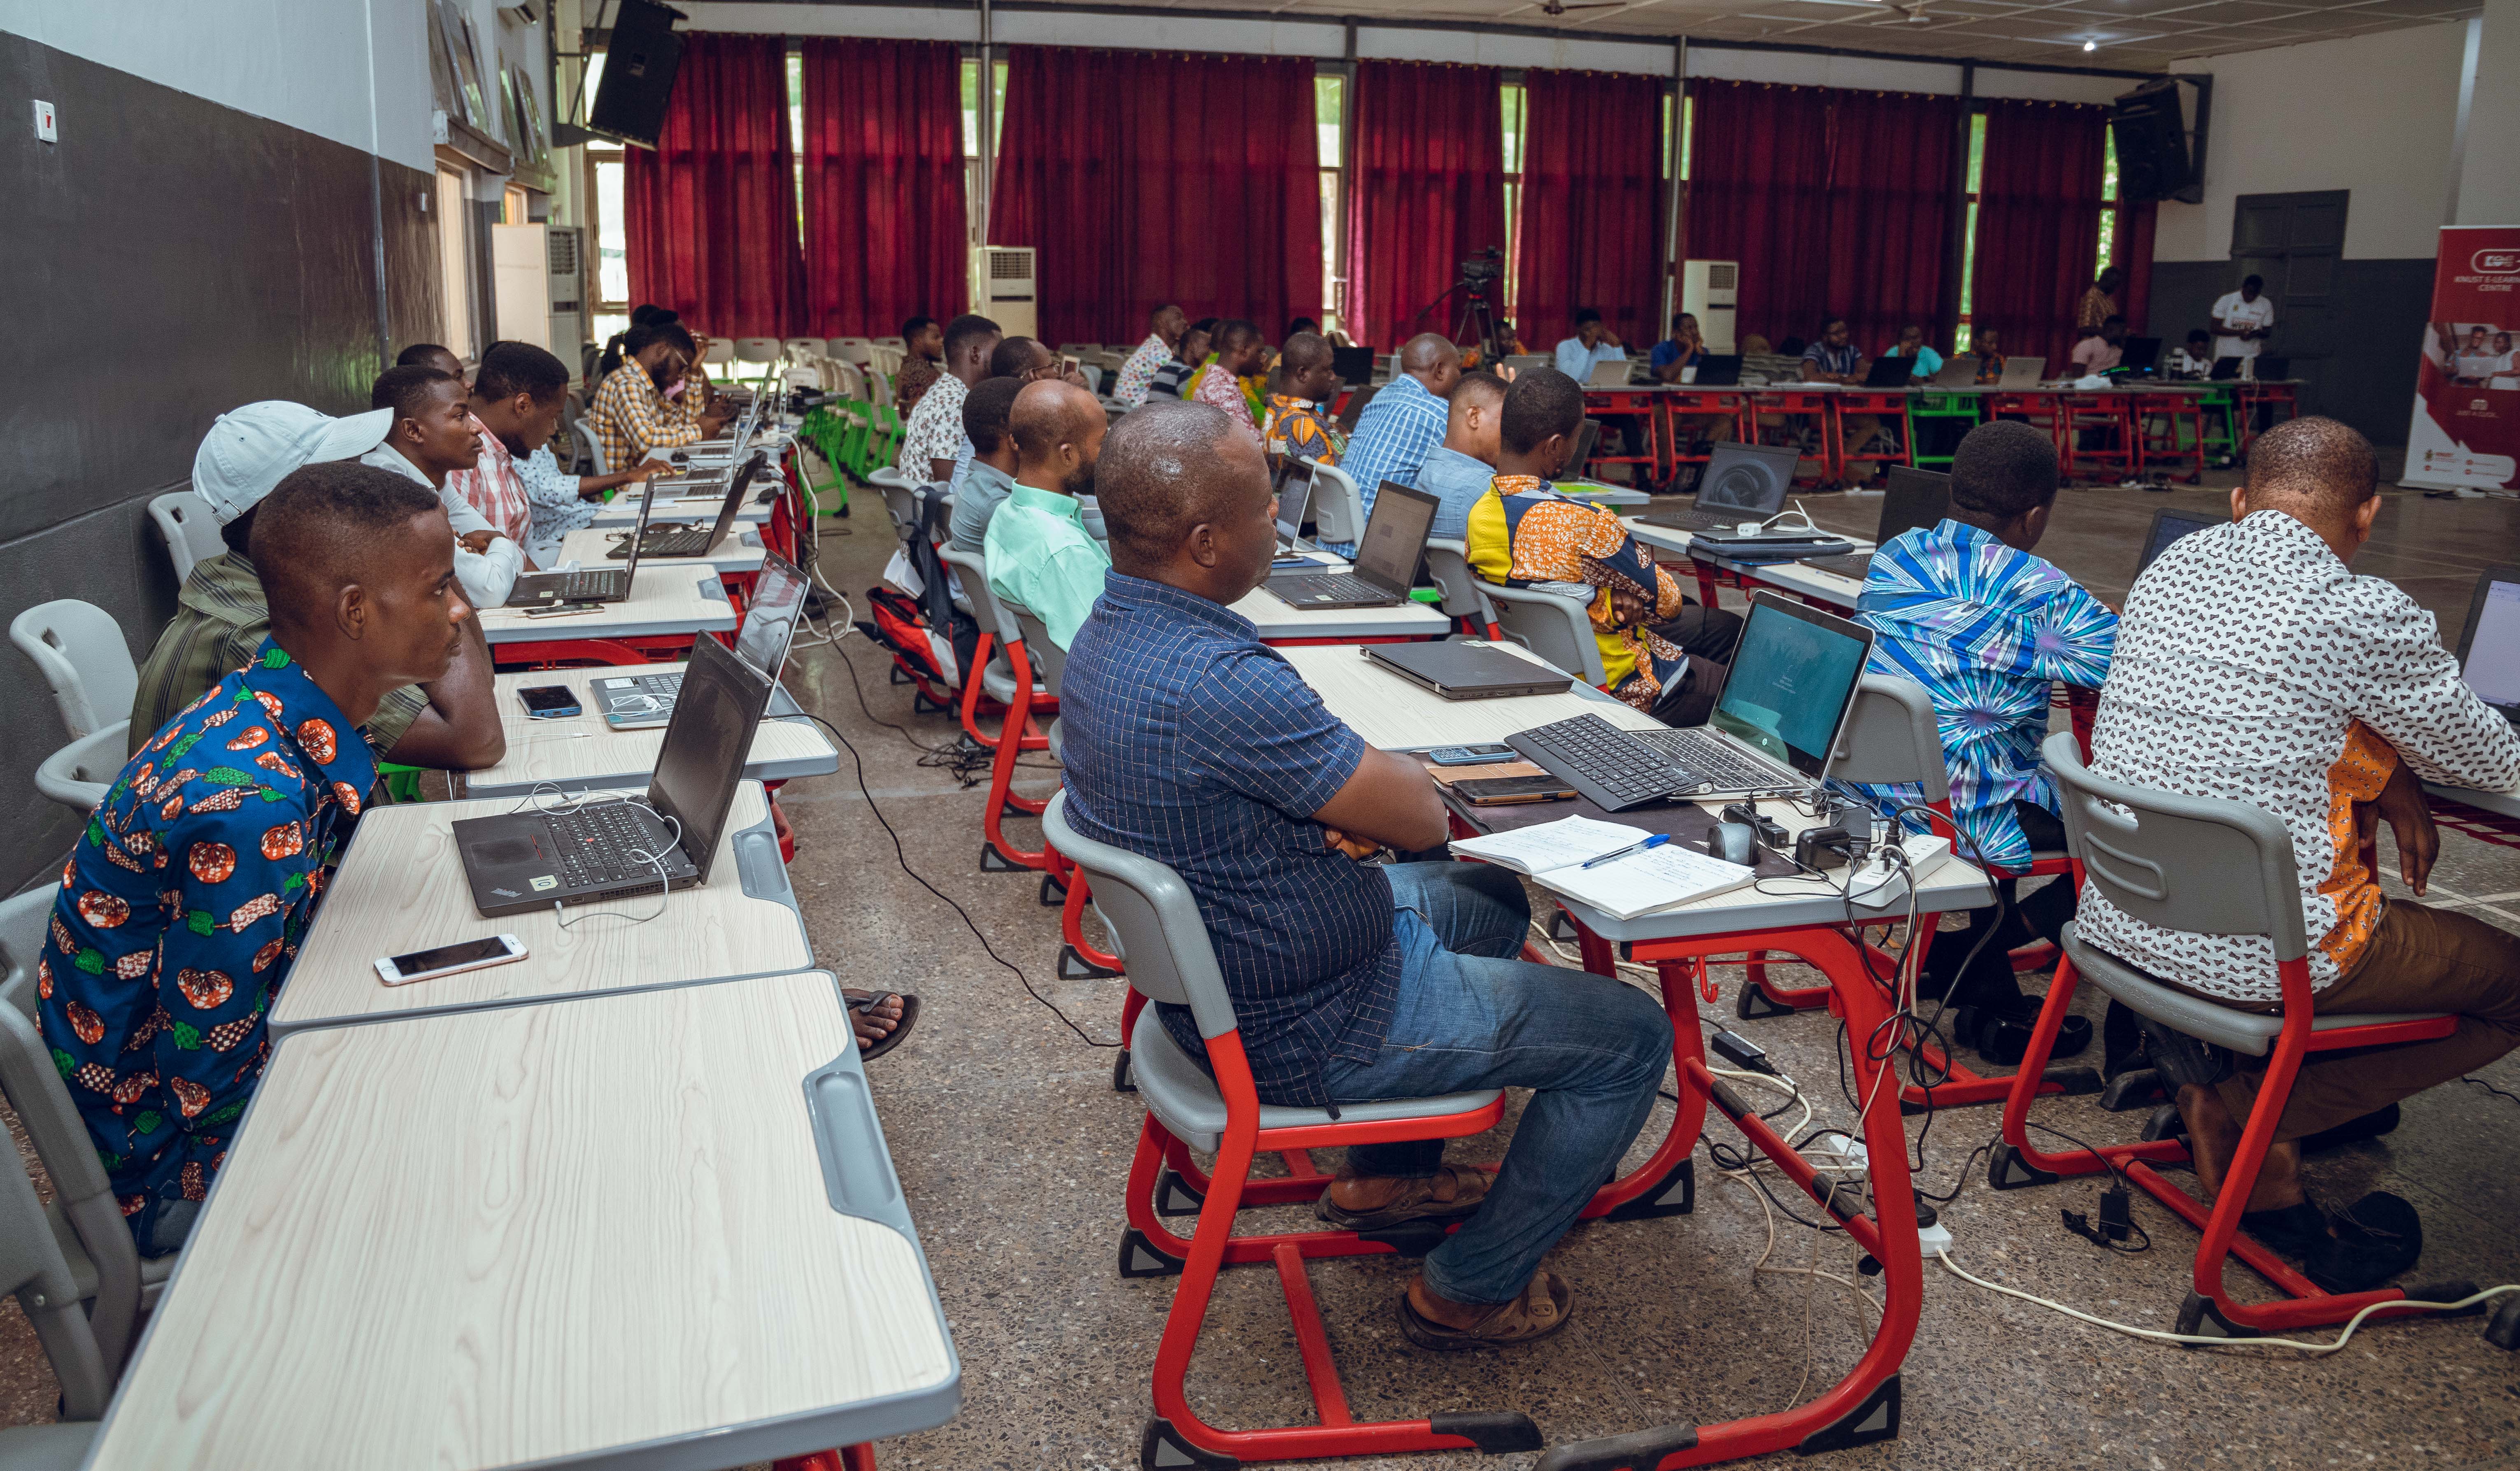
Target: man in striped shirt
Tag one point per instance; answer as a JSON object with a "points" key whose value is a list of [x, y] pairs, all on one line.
{"points": [[1139, 372], [1404, 421], [516, 403]]}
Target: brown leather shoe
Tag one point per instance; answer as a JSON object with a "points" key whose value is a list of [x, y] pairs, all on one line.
{"points": [[1452, 1191], [1543, 1308]]}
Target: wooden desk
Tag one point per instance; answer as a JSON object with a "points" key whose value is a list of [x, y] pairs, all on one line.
{"points": [[667, 608], [580, 752], [1281, 623], [656, 1230], [402, 888], [738, 552], [1395, 714]]}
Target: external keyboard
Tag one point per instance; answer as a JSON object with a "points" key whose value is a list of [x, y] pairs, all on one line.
{"points": [[1300, 588], [1610, 768]]}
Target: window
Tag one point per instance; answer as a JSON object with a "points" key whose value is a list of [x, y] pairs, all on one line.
{"points": [[796, 131], [455, 258], [2107, 256], [1329, 118], [1515, 115], [609, 311], [1968, 231], [973, 186]]}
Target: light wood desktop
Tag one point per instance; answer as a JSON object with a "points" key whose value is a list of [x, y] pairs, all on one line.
{"points": [[623, 509], [402, 888], [739, 550], [655, 1230], [575, 753], [663, 601], [1798, 578], [1395, 714], [1277, 621]]}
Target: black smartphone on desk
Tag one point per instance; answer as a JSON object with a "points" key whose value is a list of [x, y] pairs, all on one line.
{"points": [[549, 701], [1493, 792]]}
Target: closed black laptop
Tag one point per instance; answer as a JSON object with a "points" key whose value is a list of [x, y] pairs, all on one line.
{"points": [[1467, 670]]}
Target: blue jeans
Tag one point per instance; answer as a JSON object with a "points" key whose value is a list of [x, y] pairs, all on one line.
{"points": [[1469, 1016]]}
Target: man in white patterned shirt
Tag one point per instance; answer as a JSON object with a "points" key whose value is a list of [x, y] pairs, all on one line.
{"points": [[1139, 372], [934, 439], [2252, 665]]}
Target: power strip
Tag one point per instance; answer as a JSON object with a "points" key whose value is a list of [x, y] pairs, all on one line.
{"points": [[1882, 881]]}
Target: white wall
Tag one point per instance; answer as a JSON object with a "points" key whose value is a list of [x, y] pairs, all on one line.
{"points": [[2489, 191], [2373, 115], [352, 73]]}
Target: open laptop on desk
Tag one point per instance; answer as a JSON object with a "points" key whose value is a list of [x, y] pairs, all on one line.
{"points": [[1357, 398], [592, 585], [1741, 482], [1294, 503], [681, 540], [1610, 375], [586, 851], [1956, 371], [1888, 372], [1353, 365], [2169, 525], [1776, 719], [2139, 356], [644, 701], [2022, 373], [1914, 498], [1386, 560], [2488, 646]]}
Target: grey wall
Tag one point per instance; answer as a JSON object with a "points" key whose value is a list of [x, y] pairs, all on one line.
{"points": [[168, 260], [2378, 316]]}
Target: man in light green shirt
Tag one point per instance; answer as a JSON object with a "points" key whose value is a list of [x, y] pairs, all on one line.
{"points": [[1038, 552]]}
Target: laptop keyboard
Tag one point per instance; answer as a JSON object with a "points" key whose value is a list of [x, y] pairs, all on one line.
{"points": [[1616, 769], [677, 541], [1697, 521], [579, 587], [1716, 761], [599, 844], [1300, 588]]}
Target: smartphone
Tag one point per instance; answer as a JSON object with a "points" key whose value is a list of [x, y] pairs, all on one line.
{"points": [[1470, 755], [447, 959], [549, 701], [563, 610], [1498, 792]]}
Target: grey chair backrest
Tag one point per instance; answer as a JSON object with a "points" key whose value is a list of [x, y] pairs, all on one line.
{"points": [[1891, 738], [2204, 864], [974, 573], [591, 447], [1149, 908], [191, 531], [1448, 563], [1556, 628], [81, 651], [32, 1267], [1338, 510], [1047, 659]]}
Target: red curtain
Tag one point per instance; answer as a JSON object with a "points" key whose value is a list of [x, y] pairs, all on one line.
{"points": [[1832, 201], [711, 210], [1142, 178], [1427, 184], [884, 220], [2133, 256], [1592, 216], [2038, 222]]}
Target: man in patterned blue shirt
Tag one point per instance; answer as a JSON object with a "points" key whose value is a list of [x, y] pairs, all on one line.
{"points": [[1404, 421], [182, 904], [1190, 741], [1964, 608]]}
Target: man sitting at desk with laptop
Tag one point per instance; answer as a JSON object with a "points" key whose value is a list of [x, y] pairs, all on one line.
{"points": [[432, 437], [1458, 471], [1193, 743], [181, 907]]}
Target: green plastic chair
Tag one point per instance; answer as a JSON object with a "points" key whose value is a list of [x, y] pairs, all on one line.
{"points": [[402, 783], [2222, 402], [1933, 405]]}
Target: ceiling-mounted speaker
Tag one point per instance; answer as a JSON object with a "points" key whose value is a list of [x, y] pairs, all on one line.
{"points": [[638, 67], [2154, 161]]}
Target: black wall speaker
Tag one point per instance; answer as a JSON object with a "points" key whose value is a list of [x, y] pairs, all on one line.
{"points": [[2152, 143], [639, 68]]}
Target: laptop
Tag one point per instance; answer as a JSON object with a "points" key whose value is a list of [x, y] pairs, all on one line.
{"points": [[2022, 373], [1741, 482], [1914, 498], [2226, 370], [2169, 525], [644, 701], [522, 860], [1718, 370], [2272, 370], [2139, 356], [2488, 646], [730, 449], [1467, 670], [1294, 503], [1612, 375], [679, 541], [1524, 362], [1888, 372], [1357, 399], [1353, 365], [592, 585], [1387, 561], [1777, 720], [1956, 371]]}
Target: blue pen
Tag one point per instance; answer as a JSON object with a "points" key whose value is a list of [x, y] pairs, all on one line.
{"points": [[1655, 842]]}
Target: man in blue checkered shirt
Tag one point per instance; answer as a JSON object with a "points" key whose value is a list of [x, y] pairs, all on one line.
{"points": [[1191, 743], [1403, 423]]}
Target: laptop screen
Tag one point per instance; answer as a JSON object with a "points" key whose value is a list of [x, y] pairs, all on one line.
{"points": [[2489, 655], [1294, 499], [1914, 498], [770, 618], [638, 531], [1353, 365], [1794, 674], [719, 704], [1746, 477], [1395, 537], [2169, 526]]}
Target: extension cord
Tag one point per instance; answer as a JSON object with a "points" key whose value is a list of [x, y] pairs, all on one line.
{"points": [[1882, 879]]}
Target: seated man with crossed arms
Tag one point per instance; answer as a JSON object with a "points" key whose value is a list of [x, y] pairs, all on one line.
{"points": [[1190, 741]]}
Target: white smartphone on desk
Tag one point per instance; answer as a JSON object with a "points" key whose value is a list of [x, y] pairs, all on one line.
{"points": [[448, 959]]}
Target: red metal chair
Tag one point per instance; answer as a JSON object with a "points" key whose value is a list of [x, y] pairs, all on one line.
{"points": [[1218, 1110], [1008, 682], [2043, 410], [1063, 886], [2159, 417], [1887, 407], [2107, 419], [2199, 865], [1787, 400]]}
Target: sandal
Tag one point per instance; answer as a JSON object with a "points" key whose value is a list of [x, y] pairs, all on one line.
{"points": [[1417, 1200], [1541, 1310], [860, 1001]]}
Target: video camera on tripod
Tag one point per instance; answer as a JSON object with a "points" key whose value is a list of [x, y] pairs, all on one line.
{"points": [[1476, 321], [1482, 269]]}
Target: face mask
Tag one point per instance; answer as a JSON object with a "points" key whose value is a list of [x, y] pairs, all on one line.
{"points": [[676, 392]]}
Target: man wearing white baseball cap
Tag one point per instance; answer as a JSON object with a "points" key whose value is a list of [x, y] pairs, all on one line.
{"points": [[223, 616]]}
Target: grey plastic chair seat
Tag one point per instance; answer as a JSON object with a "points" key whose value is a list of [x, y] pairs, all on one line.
{"points": [[1555, 628], [2207, 1021], [47, 1448], [76, 775], [154, 1270], [1056, 744], [1181, 1095]]}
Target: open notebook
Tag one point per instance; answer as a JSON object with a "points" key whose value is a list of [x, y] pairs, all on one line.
{"points": [[1658, 879]]}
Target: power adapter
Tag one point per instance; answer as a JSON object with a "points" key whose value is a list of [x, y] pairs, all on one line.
{"points": [[2116, 1219], [1742, 1052]]}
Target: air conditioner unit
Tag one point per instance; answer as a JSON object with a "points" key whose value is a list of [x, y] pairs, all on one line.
{"points": [[1003, 288], [563, 252], [1709, 290]]}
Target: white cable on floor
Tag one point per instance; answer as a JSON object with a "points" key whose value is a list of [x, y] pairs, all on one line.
{"points": [[2351, 1323]]}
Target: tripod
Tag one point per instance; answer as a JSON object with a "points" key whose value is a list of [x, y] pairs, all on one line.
{"points": [[1476, 320]]}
